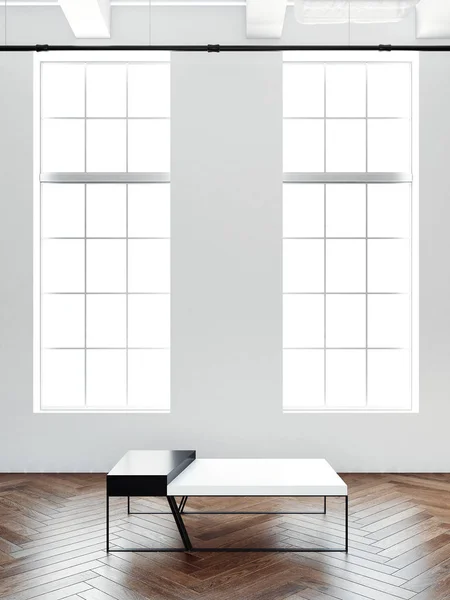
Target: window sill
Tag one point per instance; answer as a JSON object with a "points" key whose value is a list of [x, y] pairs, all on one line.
{"points": [[97, 411], [361, 411]]}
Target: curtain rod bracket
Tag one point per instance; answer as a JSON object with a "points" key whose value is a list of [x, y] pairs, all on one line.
{"points": [[385, 47], [213, 48], [42, 48]]}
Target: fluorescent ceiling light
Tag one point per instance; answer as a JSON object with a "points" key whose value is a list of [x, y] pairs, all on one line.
{"points": [[323, 12]]}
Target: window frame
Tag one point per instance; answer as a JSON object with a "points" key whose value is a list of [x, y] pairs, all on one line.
{"points": [[367, 178], [83, 179]]}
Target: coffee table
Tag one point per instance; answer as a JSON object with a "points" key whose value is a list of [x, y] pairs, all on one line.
{"points": [[178, 473]]}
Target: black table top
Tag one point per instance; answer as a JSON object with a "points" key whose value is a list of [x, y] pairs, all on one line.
{"points": [[150, 462]]}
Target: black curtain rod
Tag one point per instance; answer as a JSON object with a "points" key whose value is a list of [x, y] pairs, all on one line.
{"points": [[225, 48]]}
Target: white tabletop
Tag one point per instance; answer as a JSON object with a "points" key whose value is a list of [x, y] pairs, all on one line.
{"points": [[258, 477]]}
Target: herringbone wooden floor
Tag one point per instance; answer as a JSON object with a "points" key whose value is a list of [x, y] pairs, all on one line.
{"points": [[52, 544]]}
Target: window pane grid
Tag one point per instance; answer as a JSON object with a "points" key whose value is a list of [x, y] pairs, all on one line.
{"points": [[121, 362], [366, 362], [91, 143], [327, 346], [367, 143], [86, 347], [127, 92]]}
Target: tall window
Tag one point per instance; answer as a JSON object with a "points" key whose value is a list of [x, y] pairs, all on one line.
{"points": [[349, 233], [102, 232]]}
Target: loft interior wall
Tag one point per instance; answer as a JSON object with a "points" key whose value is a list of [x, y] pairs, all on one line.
{"points": [[226, 246]]}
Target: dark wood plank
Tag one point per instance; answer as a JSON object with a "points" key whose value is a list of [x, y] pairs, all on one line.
{"points": [[52, 544]]}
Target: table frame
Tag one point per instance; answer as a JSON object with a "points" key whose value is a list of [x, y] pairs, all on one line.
{"points": [[176, 510]]}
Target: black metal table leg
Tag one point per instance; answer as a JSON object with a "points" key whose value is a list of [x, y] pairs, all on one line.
{"points": [[128, 505], [183, 503], [107, 522], [180, 523], [176, 511], [346, 524]]}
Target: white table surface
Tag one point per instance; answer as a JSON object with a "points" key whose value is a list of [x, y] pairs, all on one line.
{"points": [[258, 477]]}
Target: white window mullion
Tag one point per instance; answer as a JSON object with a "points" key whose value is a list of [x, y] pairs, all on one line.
{"points": [[85, 295], [344, 177], [367, 244], [85, 243], [325, 238], [126, 234]]}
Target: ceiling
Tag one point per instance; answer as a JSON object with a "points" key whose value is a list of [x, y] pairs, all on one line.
{"points": [[136, 2]]}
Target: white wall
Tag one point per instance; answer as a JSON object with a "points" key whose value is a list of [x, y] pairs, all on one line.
{"points": [[226, 272]]}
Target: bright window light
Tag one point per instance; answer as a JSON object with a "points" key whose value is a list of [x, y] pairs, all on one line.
{"points": [[304, 145], [346, 90], [102, 233], [295, 102], [350, 256]]}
